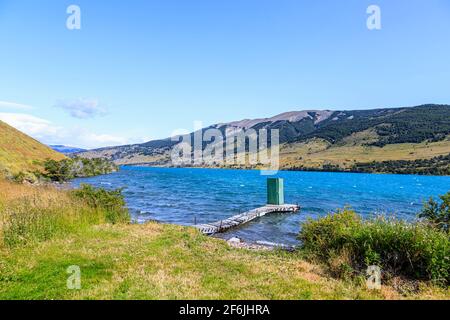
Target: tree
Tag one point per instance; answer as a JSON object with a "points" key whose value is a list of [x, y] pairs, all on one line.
{"points": [[438, 214]]}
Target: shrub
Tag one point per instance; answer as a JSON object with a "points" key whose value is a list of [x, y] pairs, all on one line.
{"points": [[414, 250], [438, 215], [67, 169], [23, 177], [110, 200]]}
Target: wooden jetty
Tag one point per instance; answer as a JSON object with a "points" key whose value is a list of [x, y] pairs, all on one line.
{"points": [[240, 219]]}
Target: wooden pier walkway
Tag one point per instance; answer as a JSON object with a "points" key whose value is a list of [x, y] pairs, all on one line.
{"points": [[240, 219]]}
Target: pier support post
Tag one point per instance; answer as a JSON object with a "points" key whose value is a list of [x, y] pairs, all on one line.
{"points": [[275, 191]]}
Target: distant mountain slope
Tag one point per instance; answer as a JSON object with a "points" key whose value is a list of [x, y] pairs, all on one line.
{"points": [[65, 149], [21, 153], [319, 138]]}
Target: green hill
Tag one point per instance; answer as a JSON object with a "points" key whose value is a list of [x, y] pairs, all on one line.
{"points": [[21, 153]]}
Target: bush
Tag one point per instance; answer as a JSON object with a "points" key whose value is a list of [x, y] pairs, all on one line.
{"points": [[414, 250], [110, 200], [438, 215], [23, 177]]}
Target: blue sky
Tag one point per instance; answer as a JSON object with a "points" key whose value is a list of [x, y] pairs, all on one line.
{"points": [[138, 70]]}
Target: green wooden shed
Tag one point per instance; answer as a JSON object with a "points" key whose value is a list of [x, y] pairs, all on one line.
{"points": [[275, 191]]}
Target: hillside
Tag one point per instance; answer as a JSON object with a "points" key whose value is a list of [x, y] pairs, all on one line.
{"points": [[21, 153], [318, 139]]}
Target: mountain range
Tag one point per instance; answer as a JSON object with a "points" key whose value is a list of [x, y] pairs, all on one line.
{"points": [[66, 149], [323, 139]]}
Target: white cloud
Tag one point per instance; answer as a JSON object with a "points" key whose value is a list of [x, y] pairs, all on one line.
{"points": [[48, 133], [14, 106], [89, 140], [82, 108], [36, 127]]}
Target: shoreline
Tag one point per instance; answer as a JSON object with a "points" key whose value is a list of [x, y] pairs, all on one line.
{"points": [[143, 165]]}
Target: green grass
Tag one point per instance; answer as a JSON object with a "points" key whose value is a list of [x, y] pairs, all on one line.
{"points": [[162, 262], [155, 261]]}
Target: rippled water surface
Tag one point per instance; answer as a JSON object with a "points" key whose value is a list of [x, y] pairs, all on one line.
{"points": [[185, 196]]}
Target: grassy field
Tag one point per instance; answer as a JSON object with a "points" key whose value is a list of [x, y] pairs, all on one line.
{"points": [[151, 261], [167, 262], [20, 153]]}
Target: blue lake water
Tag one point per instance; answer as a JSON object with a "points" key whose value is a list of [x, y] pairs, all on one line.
{"points": [[183, 196]]}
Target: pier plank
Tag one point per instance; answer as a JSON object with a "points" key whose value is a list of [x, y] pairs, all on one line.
{"points": [[240, 219]]}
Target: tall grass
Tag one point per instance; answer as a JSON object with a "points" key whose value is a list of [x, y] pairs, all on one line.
{"points": [[348, 243], [32, 214]]}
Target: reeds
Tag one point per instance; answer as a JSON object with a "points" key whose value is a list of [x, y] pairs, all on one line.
{"points": [[31, 214]]}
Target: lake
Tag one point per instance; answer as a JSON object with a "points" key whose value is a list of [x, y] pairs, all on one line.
{"points": [[185, 195]]}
